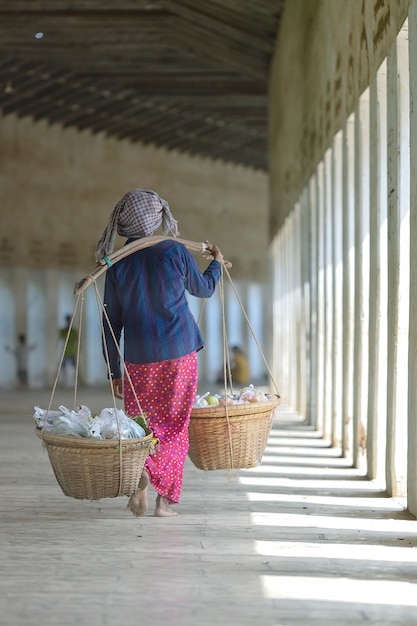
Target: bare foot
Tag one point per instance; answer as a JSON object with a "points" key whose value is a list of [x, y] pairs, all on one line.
{"points": [[138, 501], [163, 508]]}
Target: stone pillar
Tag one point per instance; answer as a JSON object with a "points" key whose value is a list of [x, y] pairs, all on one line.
{"points": [[348, 283], [398, 263], [412, 356]]}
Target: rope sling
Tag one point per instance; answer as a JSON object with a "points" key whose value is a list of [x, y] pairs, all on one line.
{"points": [[232, 436], [63, 457]]}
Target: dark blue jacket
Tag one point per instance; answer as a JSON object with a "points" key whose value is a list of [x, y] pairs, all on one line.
{"points": [[145, 296]]}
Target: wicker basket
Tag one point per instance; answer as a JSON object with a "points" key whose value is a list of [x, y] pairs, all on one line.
{"points": [[91, 469], [232, 437]]}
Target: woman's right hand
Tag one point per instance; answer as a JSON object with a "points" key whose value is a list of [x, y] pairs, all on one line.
{"points": [[117, 384]]}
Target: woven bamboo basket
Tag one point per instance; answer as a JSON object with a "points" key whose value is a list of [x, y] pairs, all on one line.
{"points": [[232, 437], [91, 469]]}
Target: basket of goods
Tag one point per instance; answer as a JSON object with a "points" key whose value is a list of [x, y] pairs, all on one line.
{"points": [[94, 457], [231, 431]]}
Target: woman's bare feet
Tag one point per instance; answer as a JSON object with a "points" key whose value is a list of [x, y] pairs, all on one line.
{"points": [[163, 508], [138, 501]]}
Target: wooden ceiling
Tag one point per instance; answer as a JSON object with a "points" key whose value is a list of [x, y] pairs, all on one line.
{"points": [[189, 75]]}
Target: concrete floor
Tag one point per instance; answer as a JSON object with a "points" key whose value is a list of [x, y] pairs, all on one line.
{"points": [[301, 540]]}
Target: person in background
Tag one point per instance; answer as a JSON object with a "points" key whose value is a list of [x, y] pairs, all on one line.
{"points": [[21, 354], [70, 356], [239, 367], [145, 296]]}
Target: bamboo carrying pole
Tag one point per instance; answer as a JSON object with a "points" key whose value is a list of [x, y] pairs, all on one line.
{"points": [[225, 441], [134, 246]]}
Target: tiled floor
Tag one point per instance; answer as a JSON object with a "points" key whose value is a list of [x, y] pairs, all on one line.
{"points": [[302, 539]]}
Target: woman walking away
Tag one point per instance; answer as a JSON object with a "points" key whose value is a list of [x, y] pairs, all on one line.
{"points": [[145, 296]]}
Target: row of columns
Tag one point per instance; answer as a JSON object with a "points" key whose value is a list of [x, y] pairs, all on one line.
{"points": [[36, 302], [343, 314]]}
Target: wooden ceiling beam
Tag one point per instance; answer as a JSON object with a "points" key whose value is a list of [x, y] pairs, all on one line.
{"points": [[85, 18], [24, 6], [188, 75], [222, 26], [183, 37], [244, 16]]}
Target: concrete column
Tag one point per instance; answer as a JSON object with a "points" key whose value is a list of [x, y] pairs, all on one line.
{"points": [[51, 295], [348, 284], [337, 286], [306, 285], [7, 329], [398, 263], [284, 342], [290, 308], [374, 287], [412, 357], [280, 370], [328, 295], [313, 322], [321, 298], [299, 330], [361, 310], [303, 304], [20, 287], [258, 318], [377, 346]]}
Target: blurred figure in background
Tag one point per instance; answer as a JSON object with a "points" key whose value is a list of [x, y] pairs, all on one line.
{"points": [[21, 354], [70, 356], [239, 367]]}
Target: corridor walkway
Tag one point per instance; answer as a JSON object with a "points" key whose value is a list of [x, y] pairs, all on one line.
{"points": [[301, 540]]}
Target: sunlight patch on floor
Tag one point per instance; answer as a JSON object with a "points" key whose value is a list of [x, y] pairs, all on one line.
{"points": [[300, 469], [272, 456], [301, 520], [333, 486], [340, 590], [335, 551], [302, 440], [336, 501]]}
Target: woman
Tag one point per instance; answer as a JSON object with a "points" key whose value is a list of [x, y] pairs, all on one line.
{"points": [[145, 296]]}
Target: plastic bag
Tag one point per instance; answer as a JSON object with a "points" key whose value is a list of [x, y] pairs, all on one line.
{"points": [[108, 426], [252, 394], [65, 422], [80, 423]]}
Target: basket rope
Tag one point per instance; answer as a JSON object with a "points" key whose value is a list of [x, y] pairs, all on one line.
{"points": [[125, 370], [92, 279], [63, 354], [79, 304], [227, 375], [252, 331], [98, 300], [226, 365]]}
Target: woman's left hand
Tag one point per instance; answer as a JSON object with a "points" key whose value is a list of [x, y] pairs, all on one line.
{"points": [[215, 251]]}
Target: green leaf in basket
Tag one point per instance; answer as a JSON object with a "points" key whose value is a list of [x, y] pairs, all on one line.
{"points": [[141, 420]]}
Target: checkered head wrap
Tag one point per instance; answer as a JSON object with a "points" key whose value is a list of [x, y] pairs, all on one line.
{"points": [[138, 214]]}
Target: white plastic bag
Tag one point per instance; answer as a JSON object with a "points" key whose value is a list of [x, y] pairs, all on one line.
{"points": [[75, 423], [108, 426], [80, 423]]}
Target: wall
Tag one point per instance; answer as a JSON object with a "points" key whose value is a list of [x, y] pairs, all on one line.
{"points": [[343, 148], [326, 53], [57, 189]]}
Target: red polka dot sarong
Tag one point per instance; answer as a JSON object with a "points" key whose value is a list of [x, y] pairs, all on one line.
{"points": [[166, 392]]}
